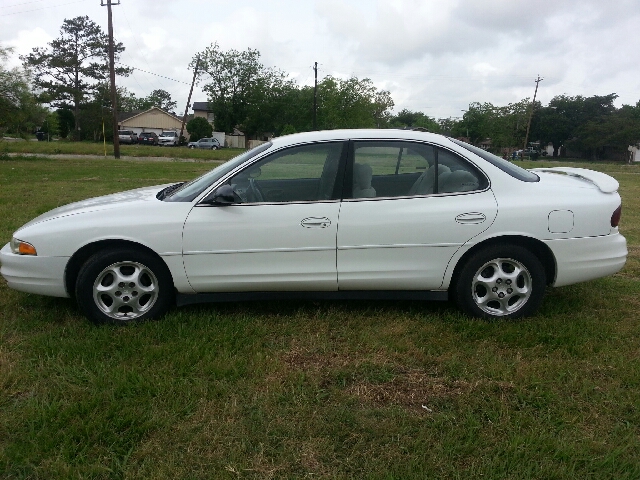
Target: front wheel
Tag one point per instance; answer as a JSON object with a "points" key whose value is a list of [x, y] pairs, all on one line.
{"points": [[124, 285], [501, 281]]}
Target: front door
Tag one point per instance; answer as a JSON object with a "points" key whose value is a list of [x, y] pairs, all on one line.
{"points": [[281, 232]]}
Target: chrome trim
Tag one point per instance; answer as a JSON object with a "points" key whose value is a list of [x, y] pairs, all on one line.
{"points": [[250, 204], [400, 245], [261, 250], [409, 197]]}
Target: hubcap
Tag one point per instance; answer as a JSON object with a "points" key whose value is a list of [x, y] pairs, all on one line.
{"points": [[125, 290], [501, 286]]}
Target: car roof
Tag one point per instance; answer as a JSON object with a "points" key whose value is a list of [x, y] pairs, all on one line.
{"points": [[358, 134]]}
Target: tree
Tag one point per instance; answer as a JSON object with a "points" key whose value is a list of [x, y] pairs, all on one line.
{"points": [[507, 125], [352, 103], [50, 125], [407, 118], [245, 94], [234, 76], [19, 110], [161, 99], [66, 121], [609, 133], [476, 122], [565, 118], [198, 128], [72, 66]]}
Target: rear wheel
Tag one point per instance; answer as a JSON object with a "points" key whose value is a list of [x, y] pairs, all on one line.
{"points": [[124, 285], [501, 281]]}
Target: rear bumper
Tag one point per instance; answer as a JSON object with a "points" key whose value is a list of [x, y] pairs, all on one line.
{"points": [[33, 274], [587, 258]]}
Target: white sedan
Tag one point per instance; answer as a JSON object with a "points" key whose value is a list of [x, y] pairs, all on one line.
{"points": [[364, 214]]}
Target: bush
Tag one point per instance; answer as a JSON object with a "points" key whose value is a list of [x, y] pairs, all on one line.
{"points": [[198, 128]]}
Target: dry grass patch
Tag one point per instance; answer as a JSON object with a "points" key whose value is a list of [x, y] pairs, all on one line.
{"points": [[415, 390]]}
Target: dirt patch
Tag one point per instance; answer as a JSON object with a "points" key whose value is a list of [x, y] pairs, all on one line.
{"points": [[410, 390]]}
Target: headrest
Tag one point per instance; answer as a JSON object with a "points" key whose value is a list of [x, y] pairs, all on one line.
{"points": [[362, 174]]}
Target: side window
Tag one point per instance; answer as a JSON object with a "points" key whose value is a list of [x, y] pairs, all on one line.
{"points": [[390, 169], [400, 169], [303, 173], [457, 175]]}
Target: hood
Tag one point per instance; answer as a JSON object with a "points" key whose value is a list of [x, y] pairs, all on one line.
{"points": [[604, 182], [145, 194]]}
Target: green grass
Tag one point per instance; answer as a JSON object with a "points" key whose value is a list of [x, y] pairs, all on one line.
{"points": [[63, 147], [388, 390]]}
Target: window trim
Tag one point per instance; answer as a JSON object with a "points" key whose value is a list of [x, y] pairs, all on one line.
{"points": [[337, 188]]}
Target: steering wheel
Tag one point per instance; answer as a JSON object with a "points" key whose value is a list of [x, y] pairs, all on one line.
{"points": [[255, 193]]}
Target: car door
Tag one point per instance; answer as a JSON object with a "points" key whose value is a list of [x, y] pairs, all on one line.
{"points": [[411, 206], [279, 234]]}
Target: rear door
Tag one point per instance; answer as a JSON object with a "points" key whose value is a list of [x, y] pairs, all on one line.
{"points": [[410, 207]]}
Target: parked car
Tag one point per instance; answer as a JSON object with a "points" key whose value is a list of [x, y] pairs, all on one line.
{"points": [[148, 138], [127, 136], [206, 143], [170, 139], [532, 153], [366, 214]]}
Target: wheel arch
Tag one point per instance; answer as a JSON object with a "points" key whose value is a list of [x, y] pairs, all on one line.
{"points": [[538, 248], [83, 254]]}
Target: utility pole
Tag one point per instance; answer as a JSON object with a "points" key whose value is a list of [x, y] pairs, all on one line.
{"points": [[533, 104], [186, 109], [112, 74], [315, 97]]}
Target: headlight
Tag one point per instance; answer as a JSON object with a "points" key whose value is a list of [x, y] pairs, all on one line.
{"points": [[22, 248]]}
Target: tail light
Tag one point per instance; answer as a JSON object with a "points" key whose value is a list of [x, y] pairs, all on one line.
{"points": [[615, 218]]}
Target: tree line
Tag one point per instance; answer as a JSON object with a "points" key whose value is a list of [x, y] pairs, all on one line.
{"points": [[70, 75]]}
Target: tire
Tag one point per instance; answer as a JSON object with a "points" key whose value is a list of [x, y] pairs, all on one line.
{"points": [[144, 289], [192, 147], [501, 282], [214, 148]]}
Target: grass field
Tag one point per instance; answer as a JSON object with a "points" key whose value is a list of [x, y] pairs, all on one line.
{"points": [[92, 148], [389, 390]]}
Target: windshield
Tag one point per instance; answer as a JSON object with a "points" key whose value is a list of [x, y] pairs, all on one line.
{"points": [[168, 134], [192, 189], [504, 165]]}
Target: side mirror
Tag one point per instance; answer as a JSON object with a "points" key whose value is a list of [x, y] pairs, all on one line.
{"points": [[222, 196]]}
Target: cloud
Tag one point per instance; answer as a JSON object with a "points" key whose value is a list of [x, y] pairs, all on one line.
{"points": [[436, 56]]}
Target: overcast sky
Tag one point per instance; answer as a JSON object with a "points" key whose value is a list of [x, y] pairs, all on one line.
{"points": [[434, 56]]}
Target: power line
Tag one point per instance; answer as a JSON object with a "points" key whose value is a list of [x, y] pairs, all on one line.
{"points": [[23, 3], [41, 8], [137, 44], [151, 73]]}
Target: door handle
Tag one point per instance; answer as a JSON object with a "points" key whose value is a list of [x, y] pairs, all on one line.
{"points": [[471, 218], [315, 222]]}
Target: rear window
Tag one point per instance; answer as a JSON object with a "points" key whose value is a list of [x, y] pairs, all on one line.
{"points": [[514, 170]]}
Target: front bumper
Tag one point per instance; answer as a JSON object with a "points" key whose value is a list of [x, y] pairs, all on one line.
{"points": [[34, 274], [587, 258]]}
